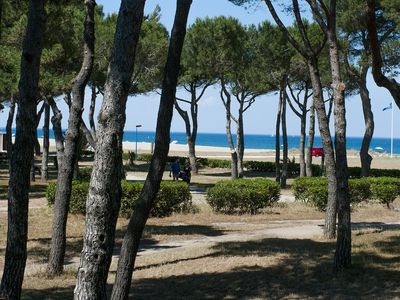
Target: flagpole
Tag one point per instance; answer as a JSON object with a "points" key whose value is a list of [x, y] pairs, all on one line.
{"points": [[391, 136]]}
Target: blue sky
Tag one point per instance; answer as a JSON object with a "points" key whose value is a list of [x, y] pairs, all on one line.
{"points": [[260, 118]]}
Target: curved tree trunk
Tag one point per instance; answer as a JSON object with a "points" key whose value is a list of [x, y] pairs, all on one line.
{"points": [[285, 144], [103, 202], [377, 63], [310, 143], [318, 101], [365, 157], [57, 129], [278, 139], [67, 165], [21, 156], [141, 213], [46, 133]]}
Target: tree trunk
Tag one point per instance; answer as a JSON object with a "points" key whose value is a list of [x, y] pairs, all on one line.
{"points": [[141, 213], [365, 158], [32, 175], [377, 63], [302, 160], [285, 142], [343, 244], [21, 157], [310, 143], [58, 136], [103, 202], [193, 137], [240, 142], [45, 153], [67, 164], [278, 140], [92, 108], [318, 101]]}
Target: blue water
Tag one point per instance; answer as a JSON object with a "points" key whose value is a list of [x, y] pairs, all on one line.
{"points": [[252, 141]]}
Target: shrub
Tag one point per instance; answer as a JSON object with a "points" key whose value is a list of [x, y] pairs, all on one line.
{"points": [[79, 192], [172, 197], [385, 189], [314, 191], [242, 195], [85, 173]]}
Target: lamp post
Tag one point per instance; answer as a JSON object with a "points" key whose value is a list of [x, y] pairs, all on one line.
{"points": [[137, 126]]}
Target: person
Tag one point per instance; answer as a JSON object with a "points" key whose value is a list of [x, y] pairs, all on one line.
{"points": [[175, 170]]}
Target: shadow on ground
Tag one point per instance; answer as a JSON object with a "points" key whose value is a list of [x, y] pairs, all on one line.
{"points": [[305, 272]]}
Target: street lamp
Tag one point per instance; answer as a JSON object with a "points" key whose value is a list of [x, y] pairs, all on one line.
{"points": [[137, 126]]}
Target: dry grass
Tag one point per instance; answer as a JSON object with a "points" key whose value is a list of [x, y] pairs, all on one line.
{"points": [[247, 268]]}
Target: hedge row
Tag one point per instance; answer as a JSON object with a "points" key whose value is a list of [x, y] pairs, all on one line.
{"points": [[242, 195], [172, 197], [269, 167], [314, 191]]}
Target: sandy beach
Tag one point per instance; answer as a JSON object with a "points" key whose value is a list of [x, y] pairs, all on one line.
{"points": [[380, 160]]}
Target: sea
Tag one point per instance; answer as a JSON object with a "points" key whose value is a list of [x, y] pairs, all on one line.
{"points": [[252, 141]]}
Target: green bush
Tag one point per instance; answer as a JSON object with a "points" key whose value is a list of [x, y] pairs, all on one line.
{"points": [[85, 173], [242, 195], [314, 191], [385, 189], [77, 204], [172, 197]]}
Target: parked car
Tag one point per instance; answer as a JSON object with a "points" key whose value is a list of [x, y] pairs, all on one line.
{"points": [[317, 152]]}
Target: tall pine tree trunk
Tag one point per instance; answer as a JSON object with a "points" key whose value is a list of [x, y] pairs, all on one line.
{"points": [[330, 213], [67, 165], [240, 142], [22, 153], [151, 186], [46, 136], [343, 244], [310, 142], [285, 143], [104, 197], [302, 155], [365, 157]]}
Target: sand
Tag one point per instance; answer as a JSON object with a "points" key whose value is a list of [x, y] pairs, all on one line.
{"points": [[380, 160]]}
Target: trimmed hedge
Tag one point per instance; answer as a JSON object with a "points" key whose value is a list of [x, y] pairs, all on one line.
{"points": [[77, 203], [242, 195], [172, 197], [314, 191]]}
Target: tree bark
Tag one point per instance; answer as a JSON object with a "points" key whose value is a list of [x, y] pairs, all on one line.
{"points": [[240, 142], [310, 142], [92, 108], [104, 197], [302, 160], [365, 157], [278, 140], [318, 102], [21, 157], [377, 63], [285, 141], [67, 164], [46, 136], [57, 129], [343, 244], [141, 213]]}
